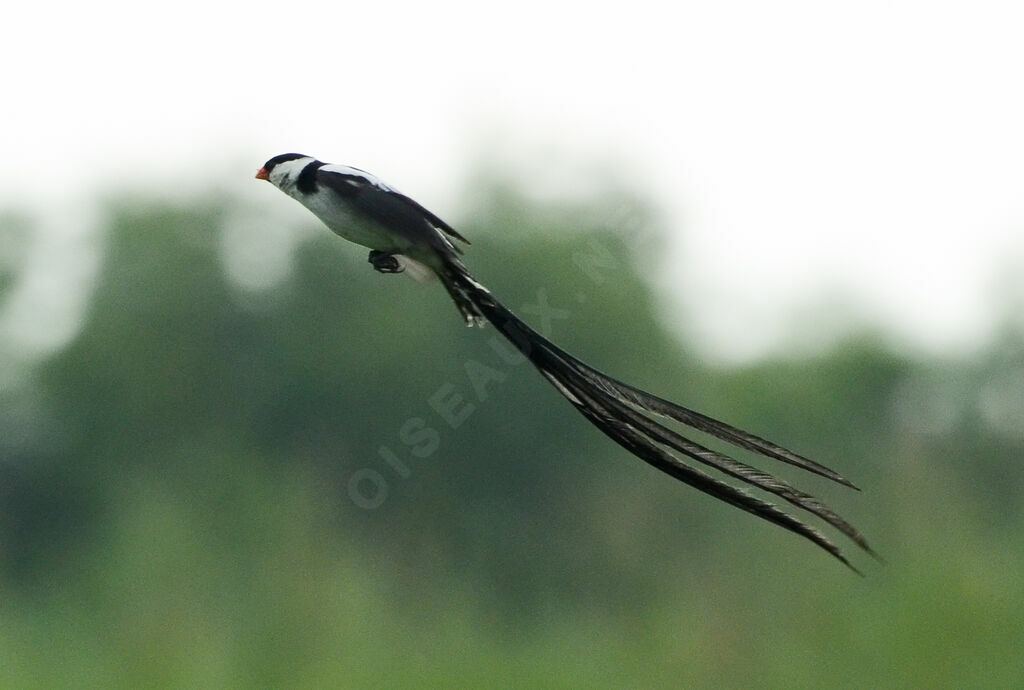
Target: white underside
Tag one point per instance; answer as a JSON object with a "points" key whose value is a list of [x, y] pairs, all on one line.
{"points": [[364, 233], [346, 225], [415, 270]]}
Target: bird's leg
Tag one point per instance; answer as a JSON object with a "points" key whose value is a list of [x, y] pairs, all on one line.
{"points": [[384, 262]]}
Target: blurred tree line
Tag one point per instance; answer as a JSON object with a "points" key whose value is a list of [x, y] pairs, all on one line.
{"points": [[215, 484]]}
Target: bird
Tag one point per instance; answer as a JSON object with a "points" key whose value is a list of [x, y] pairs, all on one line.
{"points": [[403, 235]]}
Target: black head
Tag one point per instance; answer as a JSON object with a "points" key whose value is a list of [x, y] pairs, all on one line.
{"points": [[269, 166], [272, 163]]}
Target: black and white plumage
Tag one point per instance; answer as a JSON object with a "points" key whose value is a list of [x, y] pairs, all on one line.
{"points": [[360, 208]]}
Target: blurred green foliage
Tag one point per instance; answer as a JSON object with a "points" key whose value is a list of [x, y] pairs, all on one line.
{"points": [[184, 486]]}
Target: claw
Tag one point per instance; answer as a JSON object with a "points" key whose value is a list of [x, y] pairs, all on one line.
{"points": [[384, 262]]}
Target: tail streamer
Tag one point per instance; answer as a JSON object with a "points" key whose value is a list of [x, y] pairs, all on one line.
{"points": [[618, 410]]}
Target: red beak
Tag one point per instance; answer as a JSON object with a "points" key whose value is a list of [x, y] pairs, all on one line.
{"points": [[263, 174]]}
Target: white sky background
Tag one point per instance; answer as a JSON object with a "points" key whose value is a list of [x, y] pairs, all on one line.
{"points": [[872, 149]]}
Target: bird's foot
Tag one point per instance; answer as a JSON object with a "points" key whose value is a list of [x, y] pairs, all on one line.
{"points": [[384, 262]]}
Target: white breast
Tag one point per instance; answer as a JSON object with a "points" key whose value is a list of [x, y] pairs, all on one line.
{"points": [[344, 222]]}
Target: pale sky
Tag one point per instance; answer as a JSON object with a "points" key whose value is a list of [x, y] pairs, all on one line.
{"points": [[870, 150]]}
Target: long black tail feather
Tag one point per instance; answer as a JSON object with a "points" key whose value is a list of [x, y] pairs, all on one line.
{"points": [[616, 409], [633, 440]]}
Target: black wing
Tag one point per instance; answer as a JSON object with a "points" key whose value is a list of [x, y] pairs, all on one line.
{"points": [[391, 209]]}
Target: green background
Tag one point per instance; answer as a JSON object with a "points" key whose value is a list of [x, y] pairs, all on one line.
{"points": [[178, 508]]}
